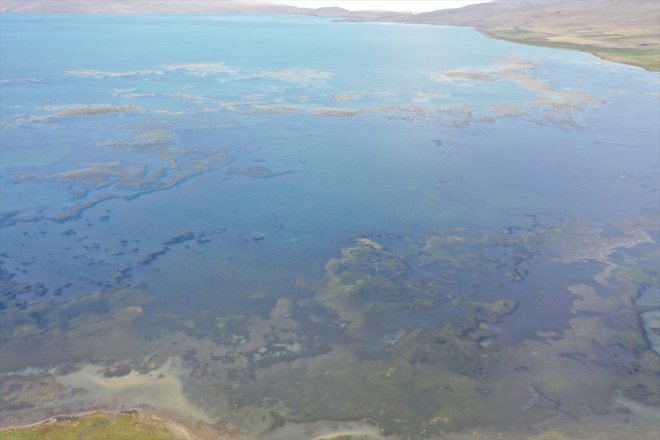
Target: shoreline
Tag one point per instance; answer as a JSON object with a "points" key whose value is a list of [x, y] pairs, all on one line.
{"points": [[136, 418], [649, 67], [648, 59]]}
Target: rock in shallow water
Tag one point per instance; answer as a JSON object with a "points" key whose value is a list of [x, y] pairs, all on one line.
{"points": [[651, 321], [283, 308]]}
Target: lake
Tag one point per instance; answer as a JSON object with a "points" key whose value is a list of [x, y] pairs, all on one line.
{"points": [[293, 227]]}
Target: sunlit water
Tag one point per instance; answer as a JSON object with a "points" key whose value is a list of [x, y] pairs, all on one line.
{"points": [[311, 226]]}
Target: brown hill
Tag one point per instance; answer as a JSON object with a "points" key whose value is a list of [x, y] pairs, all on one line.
{"points": [[625, 31], [138, 6], [191, 6]]}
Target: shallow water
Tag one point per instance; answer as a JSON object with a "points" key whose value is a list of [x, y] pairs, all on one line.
{"points": [[311, 226]]}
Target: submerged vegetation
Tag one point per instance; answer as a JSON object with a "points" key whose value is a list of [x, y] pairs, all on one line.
{"points": [[438, 379]]}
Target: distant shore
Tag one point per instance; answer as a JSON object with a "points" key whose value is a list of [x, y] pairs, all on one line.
{"points": [[623, 32]]}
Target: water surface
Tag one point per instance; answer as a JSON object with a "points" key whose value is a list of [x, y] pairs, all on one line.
{"points": [[308, 226]]}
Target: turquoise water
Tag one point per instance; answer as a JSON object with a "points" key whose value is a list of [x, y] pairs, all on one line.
{"points": [[166, 178]]}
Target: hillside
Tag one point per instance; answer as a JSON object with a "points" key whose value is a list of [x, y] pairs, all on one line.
{"points": [[627, 32], [188, 6]]}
